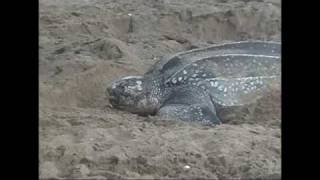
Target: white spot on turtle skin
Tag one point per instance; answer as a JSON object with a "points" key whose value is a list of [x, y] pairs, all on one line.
{"points": [[214, 83], [194, 75], [194, 64], [139, 82], [139, 88], [225, 90], [179, 78], [236, 89], [194, 84], [191, 79], [197, 79], [174, 80], [204, 75], [185, 78], [220, 88], [185, 72]]}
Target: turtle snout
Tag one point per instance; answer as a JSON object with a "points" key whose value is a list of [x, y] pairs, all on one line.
{"points": [[113, 96], [113, 101], [109, 90]]}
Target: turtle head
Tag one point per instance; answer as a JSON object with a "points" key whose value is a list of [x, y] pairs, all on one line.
{"points": [[130, 94]]}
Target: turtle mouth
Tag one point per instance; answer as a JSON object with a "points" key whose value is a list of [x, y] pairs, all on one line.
{"points": [[113, 101]]}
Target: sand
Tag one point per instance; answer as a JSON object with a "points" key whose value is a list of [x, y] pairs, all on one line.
{"points": [[84, 45]]}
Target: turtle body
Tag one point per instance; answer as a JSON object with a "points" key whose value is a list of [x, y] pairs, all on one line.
{"points": [[188, 85]]}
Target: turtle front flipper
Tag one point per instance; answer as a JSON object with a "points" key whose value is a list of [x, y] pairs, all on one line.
{"points": [[196, 112], [189, 104]]}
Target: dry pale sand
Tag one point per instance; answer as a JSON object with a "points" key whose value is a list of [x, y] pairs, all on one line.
{"points": [[84, 45]]}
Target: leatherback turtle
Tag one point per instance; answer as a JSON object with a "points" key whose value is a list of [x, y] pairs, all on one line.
{"points": [[188, 85]]}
